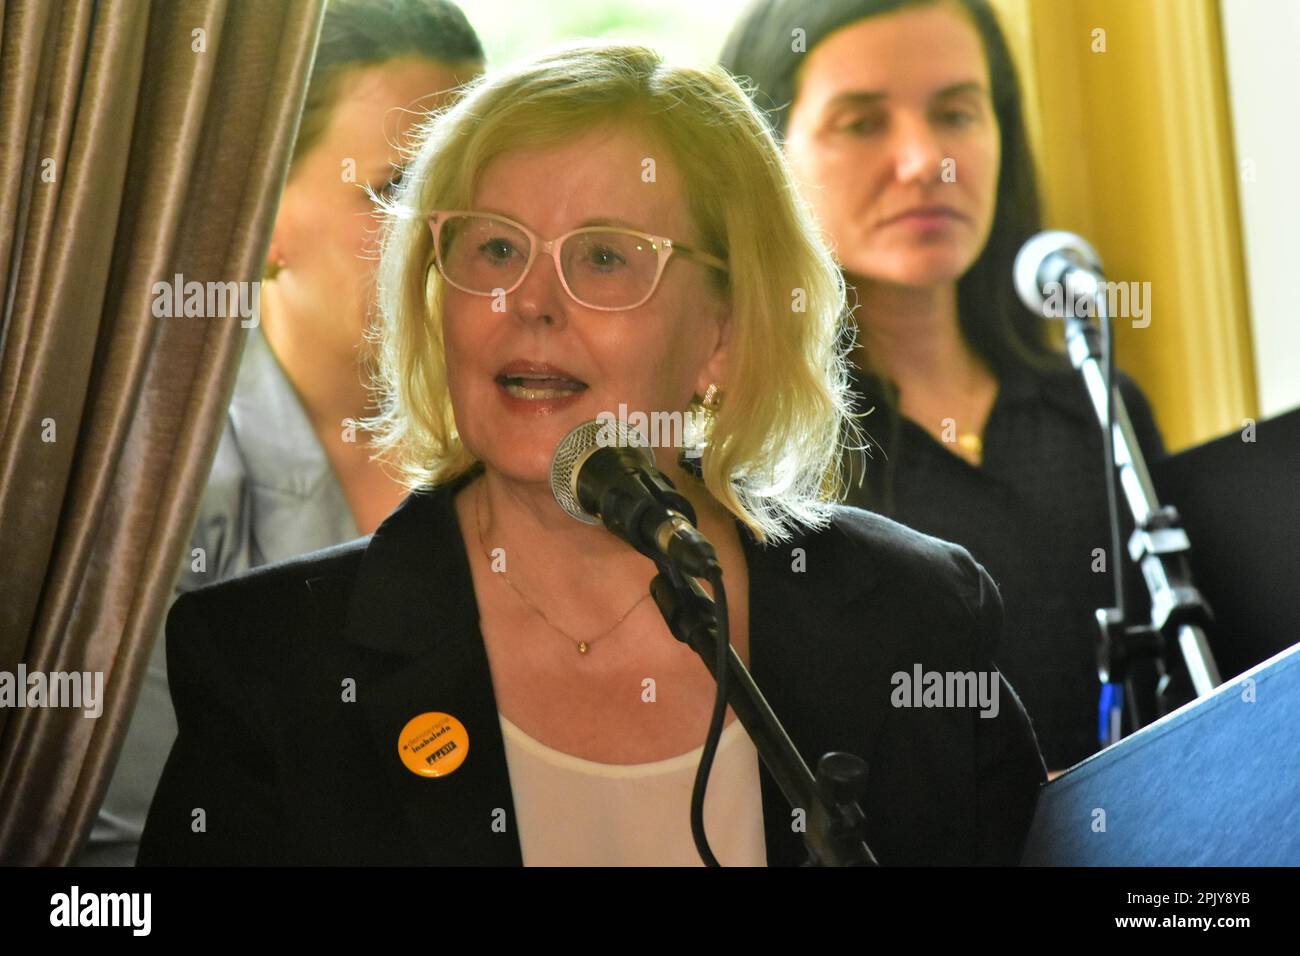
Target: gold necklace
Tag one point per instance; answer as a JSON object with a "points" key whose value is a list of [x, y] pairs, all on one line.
{"points": [[583, 646]]}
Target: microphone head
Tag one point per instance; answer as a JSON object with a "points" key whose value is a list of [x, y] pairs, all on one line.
{"points": [[576, 447], [1046, 258]]}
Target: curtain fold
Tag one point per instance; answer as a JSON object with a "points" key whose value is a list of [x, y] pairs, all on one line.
{"points": [[139, 142]]}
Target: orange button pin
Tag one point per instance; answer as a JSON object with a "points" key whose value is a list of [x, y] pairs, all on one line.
{"points": [[433, 744]]}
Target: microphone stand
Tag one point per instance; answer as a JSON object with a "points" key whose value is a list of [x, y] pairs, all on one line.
{"points": [[1158, 545], [835, 832]]}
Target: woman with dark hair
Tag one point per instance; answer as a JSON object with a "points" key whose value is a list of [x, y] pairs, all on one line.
{"points": [[903, 122], [293, 472]]}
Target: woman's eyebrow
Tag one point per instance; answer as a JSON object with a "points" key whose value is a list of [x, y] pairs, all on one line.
{"points": [[872, 97], [856, 98], [608, 221], [495, 211], [957, 89]]}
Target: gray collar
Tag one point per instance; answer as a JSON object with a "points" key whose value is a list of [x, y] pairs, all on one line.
{"points": [[279, 444]]}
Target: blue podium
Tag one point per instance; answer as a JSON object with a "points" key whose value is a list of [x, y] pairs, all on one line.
{"points": [[1215, 783]]}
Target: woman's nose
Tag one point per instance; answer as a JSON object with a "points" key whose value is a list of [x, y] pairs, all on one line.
{"points": [[541, 296], [918, 156]]}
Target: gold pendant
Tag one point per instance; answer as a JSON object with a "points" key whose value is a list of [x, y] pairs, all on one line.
{"points": [[973, 445], [582, 647]]}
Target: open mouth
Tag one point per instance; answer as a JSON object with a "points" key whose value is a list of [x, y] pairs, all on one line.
{"points": [[535, 387]]}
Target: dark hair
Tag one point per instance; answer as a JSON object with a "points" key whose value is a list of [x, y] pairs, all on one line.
{"points": [[997, 326], [358, 33]]}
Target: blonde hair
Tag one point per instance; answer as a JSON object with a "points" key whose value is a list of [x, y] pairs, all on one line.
{"points": [[774, 447]]}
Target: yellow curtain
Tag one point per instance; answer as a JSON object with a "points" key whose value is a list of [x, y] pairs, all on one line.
{"points": [[1128, 111]]}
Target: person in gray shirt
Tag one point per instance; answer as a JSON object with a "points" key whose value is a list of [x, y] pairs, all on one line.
{"points": [[292, 472]]}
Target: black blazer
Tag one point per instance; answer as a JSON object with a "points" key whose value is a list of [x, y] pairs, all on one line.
{"points": [[285, 771]]}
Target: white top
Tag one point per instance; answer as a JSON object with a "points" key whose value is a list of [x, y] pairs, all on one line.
{"points": [[575, 812]]}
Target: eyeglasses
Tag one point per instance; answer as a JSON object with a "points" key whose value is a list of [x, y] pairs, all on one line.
{"points": [[600, 267]]}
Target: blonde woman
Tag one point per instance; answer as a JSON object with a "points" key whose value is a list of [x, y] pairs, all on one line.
{"points": [[589, 229]]}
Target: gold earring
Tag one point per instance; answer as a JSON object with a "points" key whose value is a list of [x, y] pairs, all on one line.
{"points": [[699, 426]]}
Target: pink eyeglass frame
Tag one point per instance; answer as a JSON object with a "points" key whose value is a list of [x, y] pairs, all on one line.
{"points": [[663, 246]]}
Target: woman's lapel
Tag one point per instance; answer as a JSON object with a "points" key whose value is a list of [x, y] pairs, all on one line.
{"points": [[414, 599]]}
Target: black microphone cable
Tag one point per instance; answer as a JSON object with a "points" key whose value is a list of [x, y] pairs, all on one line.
{"points": [[722, 645]]}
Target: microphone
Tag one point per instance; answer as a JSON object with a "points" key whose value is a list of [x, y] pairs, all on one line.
{"points": [[1051, 262], [602, 472]]}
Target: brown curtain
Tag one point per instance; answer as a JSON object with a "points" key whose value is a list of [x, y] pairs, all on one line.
{"points": [[138, 141]]}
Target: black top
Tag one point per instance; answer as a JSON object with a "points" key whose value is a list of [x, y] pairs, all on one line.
{"points": [[286, 771], [1032, 514]]}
